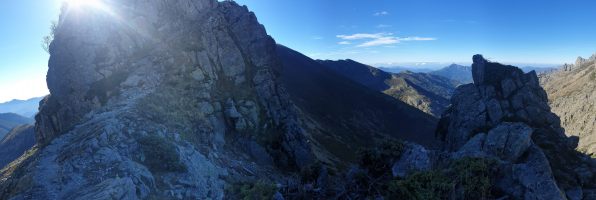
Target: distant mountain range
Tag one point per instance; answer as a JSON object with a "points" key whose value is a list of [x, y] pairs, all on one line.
{"points": [[460, 73], [398, 69], [427, 92], [463, 74], [27, 108], [10, 120]]}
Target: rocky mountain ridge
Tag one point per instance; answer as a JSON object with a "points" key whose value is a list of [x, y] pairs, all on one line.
{"points": [[504, 115], [572, 96]]}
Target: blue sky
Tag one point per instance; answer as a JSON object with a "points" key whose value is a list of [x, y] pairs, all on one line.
{"points": [[370, 31]]}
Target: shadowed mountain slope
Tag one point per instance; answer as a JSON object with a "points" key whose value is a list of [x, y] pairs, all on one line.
{"points": [[15, 143], [10, 120], [344, 108], [426, 92]]}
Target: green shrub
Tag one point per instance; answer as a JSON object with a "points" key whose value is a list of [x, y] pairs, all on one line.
{"points": [[47, 40], [160, 155], [474, 175], [422, 185], [251, 190], [311, 173], [378, 160]]}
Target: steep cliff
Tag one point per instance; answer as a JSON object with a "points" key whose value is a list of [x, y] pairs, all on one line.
{"points": [[572, 95]]}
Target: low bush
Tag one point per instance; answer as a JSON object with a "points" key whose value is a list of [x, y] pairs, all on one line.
{"points": [[251, 190], [422, 185], [378, 161], [467, 177], [160, 155], [474, 175]]}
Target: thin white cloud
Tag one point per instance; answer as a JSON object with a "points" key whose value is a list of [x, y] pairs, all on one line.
{"points": [[317, 38], [359, 36], [417, 39], [379, 39], [384, 26], [381, 13]]}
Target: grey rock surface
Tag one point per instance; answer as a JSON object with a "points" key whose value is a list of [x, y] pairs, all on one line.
{"points": [[415, 158]]}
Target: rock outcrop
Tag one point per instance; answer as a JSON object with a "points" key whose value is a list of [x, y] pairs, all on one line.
{"points": [[572, 96], [158, 99], [504, 115]]}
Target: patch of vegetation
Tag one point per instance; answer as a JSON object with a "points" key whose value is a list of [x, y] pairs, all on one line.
{"points": [[251, 190], [593, 76], [311, 173], [467, 177], [160, 155], [107, 87], [422, 185], [47, 40], [380, 159], [475, 175]]}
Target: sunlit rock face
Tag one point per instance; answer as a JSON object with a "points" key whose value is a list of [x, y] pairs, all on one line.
{"points": [[504, 115], [158, 99]]}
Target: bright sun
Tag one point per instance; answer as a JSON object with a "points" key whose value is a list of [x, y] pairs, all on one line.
{"points": [[85, 3]]}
